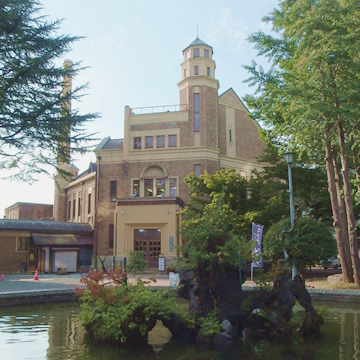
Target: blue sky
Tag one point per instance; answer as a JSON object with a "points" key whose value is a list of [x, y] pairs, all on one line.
{"points": [[133, 49]]}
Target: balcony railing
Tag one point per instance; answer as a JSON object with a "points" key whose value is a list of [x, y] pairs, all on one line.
{"points": [[158, 109]]}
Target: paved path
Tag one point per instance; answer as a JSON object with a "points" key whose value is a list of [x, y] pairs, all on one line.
{"points": [[23, 285]]}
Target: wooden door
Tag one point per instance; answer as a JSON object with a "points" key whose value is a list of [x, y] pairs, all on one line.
{"points": [[148, 241]]}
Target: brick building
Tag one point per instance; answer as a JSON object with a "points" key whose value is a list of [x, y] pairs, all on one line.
{"points": [[134, 194]]}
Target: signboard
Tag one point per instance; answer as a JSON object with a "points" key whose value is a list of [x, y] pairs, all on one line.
{"points": [[257, 232], [161, 263]]}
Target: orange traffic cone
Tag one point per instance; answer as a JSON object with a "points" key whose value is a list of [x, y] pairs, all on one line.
{"points": [[36, 276], [2, 277]]}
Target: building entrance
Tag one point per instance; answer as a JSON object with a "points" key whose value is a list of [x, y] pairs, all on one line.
{"points": [[148, 241]]}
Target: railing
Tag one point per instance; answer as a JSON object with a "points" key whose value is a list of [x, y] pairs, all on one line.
{"points": [[158, 109]]}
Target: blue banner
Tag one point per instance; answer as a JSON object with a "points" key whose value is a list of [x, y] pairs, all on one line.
{"points": [[257, 233]]}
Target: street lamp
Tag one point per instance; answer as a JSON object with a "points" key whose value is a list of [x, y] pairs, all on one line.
{"points": [[289, 156]]}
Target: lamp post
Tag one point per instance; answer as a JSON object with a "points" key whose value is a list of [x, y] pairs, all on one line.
{"points": [[289, 156]]}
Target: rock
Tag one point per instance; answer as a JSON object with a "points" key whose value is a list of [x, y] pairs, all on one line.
{"points": [[335, 279]]}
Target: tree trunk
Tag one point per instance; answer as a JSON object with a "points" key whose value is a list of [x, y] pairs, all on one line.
{"points": [[340, 240], [354, 248], [342, 210], [356, 163]]}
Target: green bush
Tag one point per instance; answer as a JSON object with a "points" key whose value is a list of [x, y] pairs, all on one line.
{"points": [[136, 262], [309, 242]]}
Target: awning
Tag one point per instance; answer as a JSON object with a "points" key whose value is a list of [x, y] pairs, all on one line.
{"points": [[61, 239]]}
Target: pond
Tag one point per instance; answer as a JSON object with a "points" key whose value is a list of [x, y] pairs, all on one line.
{"points": [[52, 332]]}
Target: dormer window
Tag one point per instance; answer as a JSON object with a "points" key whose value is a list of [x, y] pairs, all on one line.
{"points": [[196, 70], [196, 52], [206, 53]]}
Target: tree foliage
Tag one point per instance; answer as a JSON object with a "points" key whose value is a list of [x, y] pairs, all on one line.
{"points": [[309, 242], [309, 98], [33, 118]]}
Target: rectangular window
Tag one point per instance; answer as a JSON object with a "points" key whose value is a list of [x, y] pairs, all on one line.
{"points": [[185, 73], [69, 210], [148, 186], [230, 138], [160, 141], [137, 142], [196, 112], [186, 55], [173, 187], [196, 52], [208, 71], [136, 188], [197, 169], [89, 204], [79, 206], [111, 236], [22, 244], [172, 140], [160, 187], [74, 208], [206, 53], [113, 185], [196, 70], [148, 142]]}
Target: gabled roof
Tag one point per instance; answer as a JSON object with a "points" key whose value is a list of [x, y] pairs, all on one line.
{"points": [[92, 167], [48, 226], [109, 144], [198, 41], [229, 97]]}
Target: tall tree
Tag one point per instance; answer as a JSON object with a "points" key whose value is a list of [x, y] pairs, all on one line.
{"points": [[33, 121], [310, 96]]}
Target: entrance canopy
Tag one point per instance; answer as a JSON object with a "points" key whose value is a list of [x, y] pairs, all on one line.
{"points": [[61, 239]]}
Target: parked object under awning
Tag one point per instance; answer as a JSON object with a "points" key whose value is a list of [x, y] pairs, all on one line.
{"points": [[61, 240]]}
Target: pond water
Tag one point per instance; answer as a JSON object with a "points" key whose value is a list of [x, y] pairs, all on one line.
{"points": [[52, 332]]}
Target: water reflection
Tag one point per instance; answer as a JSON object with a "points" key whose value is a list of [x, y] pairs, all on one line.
{"points": [[52, 332]]}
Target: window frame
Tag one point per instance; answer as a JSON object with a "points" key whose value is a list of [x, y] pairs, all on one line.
{"points": [[207, 52], [137, 143], [89, 203], [172, 140], [149, 139], [111, 236], [196, 69], [176, 188], [113, 190], [20, 241], [208, 71], [162, 143], [197, 169], [196, 52], [196, 112]]}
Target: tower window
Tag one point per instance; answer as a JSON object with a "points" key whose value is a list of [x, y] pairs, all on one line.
{"points": [[79, 206], [160, 141], [197, 169], [208, 71], [196, 70], [206, 53], [137, 142], [196, 112], [185, 73], [230, 138], [196, 52]]}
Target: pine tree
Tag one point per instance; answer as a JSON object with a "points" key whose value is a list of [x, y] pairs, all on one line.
{"points": [[33, 120]]}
